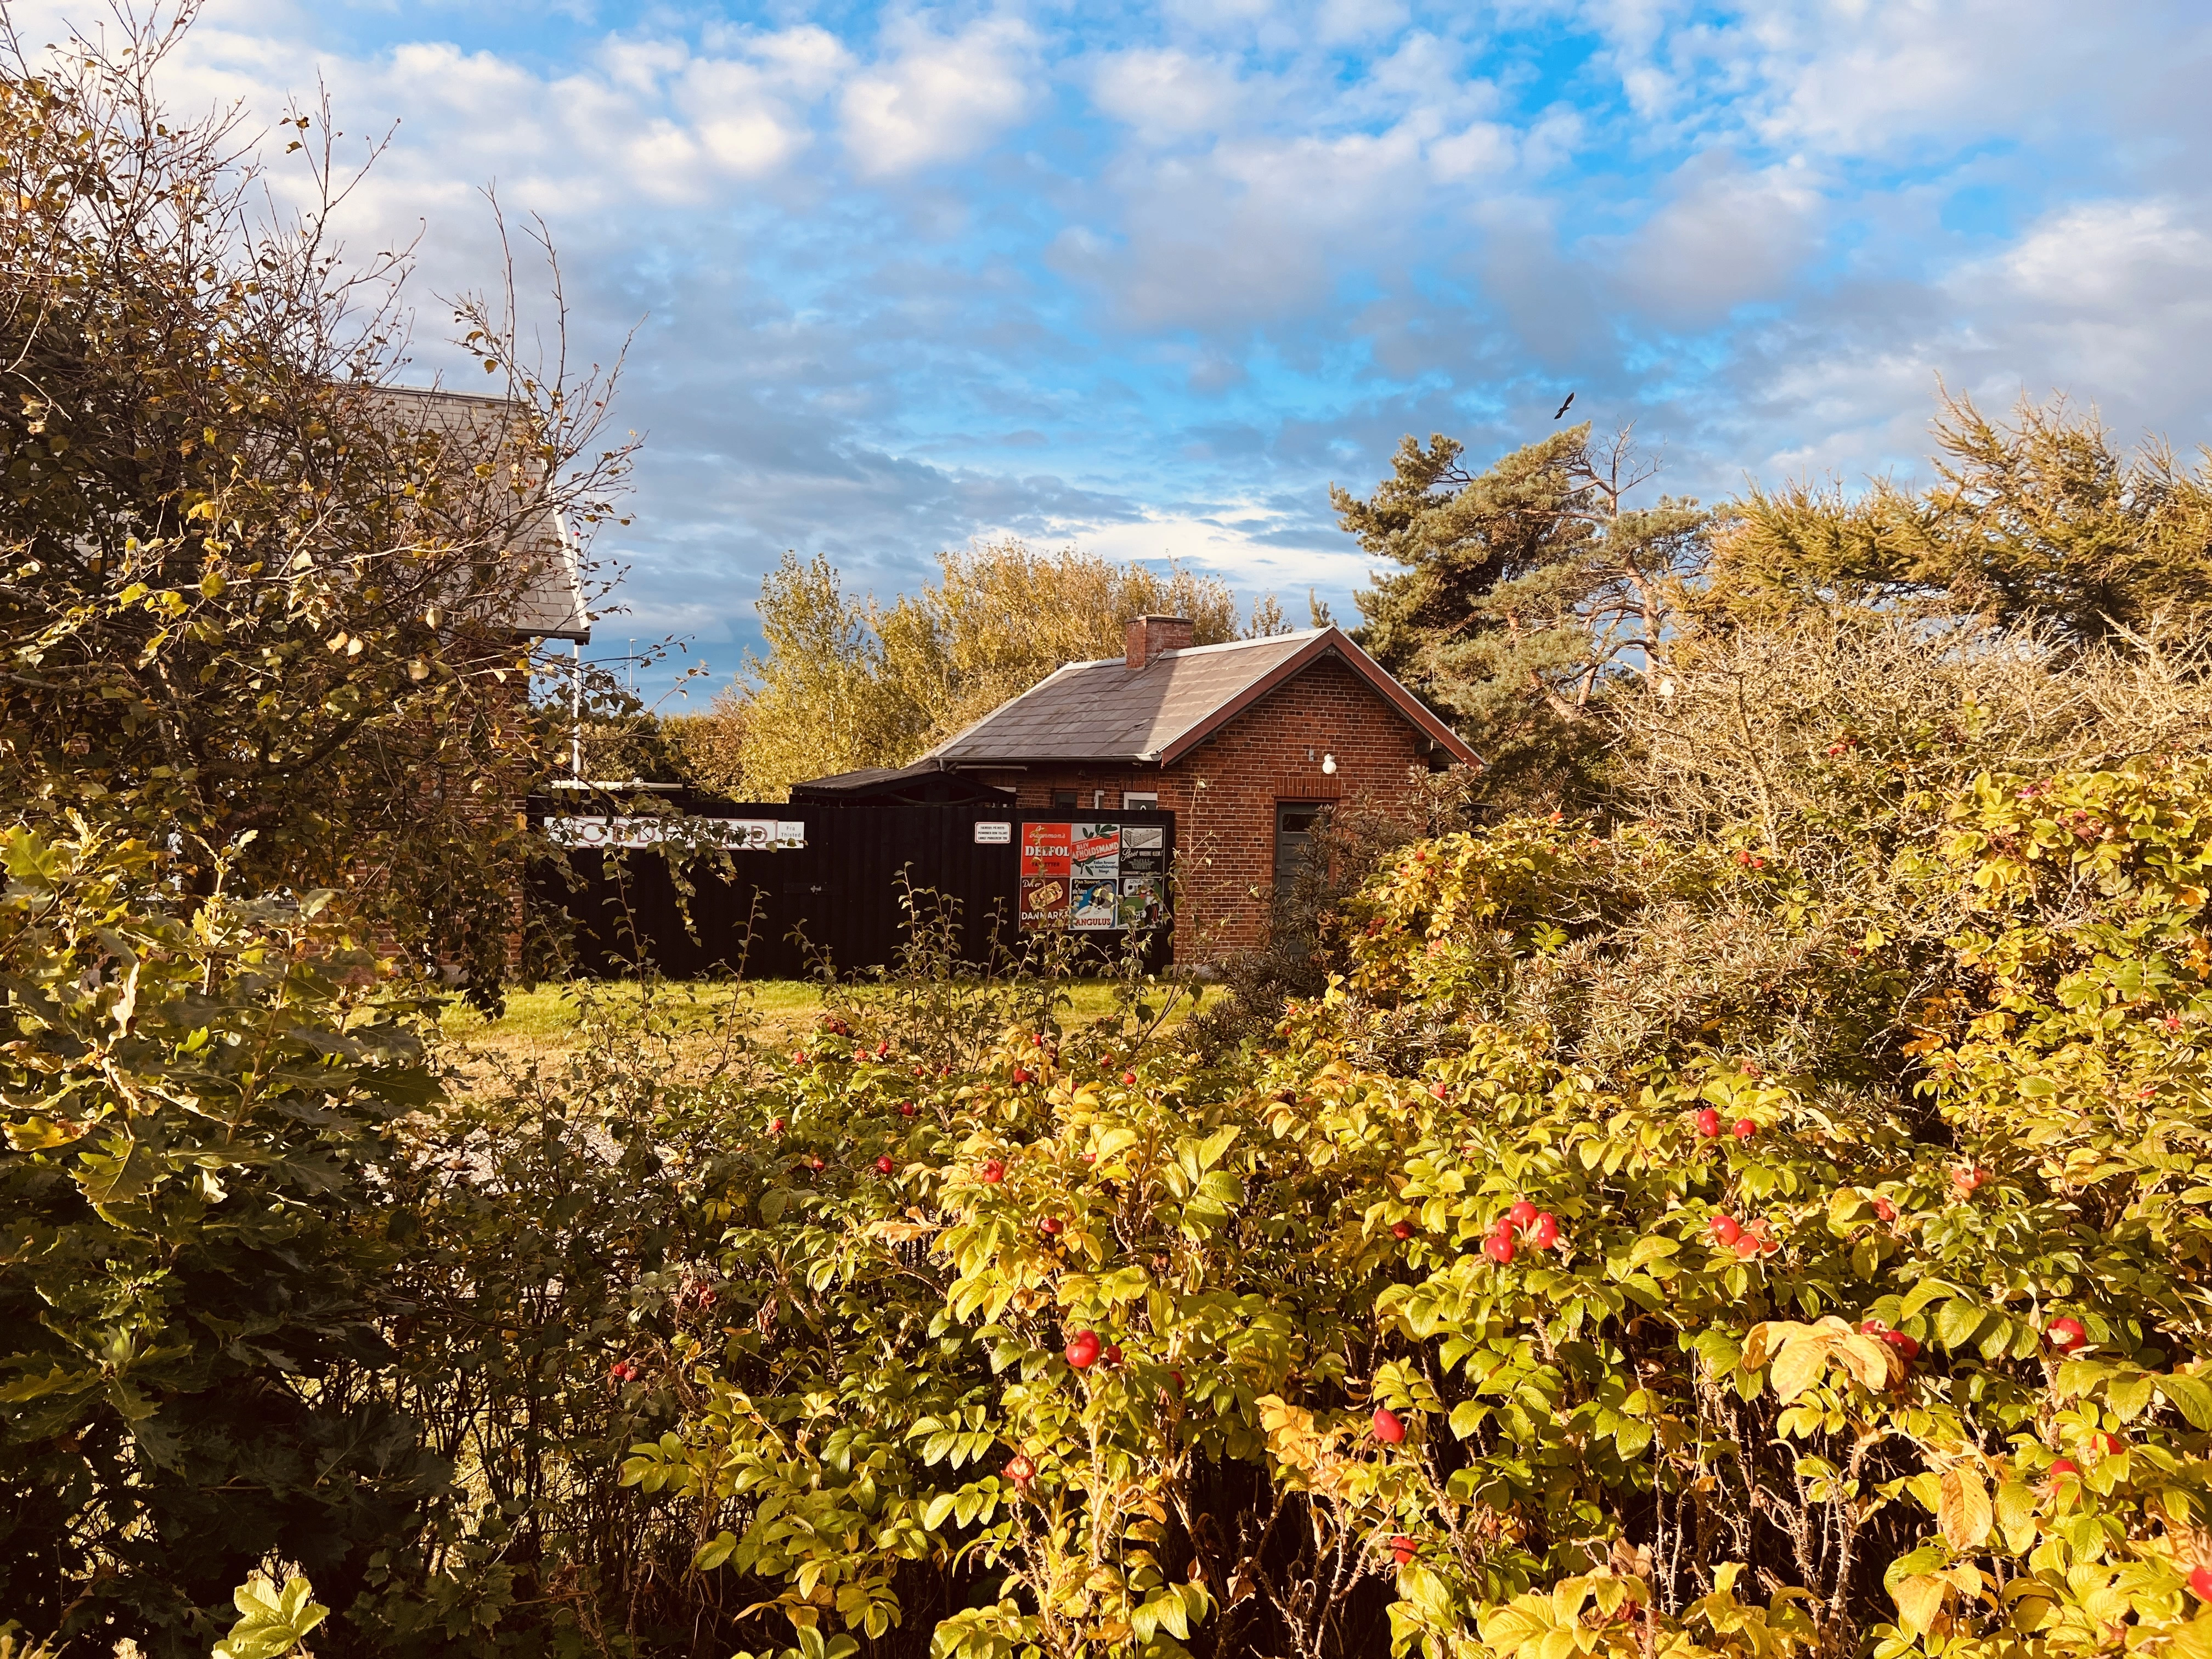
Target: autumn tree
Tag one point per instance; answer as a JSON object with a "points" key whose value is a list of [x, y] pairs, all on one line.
{"points": [[258, 605]]}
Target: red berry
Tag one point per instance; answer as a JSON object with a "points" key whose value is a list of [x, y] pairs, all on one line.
{"points": [[1038, 1040], [993, 1171], [2200, 1583], [883, 1165], [1082, 1350], [776, 1126], [2111, 1444], [2067, 1334], [906, 1109], [1522, 1214], [1402, 1548], [1708, 1123], [1745, 1128], [1389, 1429], [2064, 1465], [1498, 1247], [1020, 1076], [1128, 1079], [1725, 1230], [1114, 1354], [1906, 1348], [814, 1163], [1020, 1470], [1885, 1210], [1545, 1231], [1051, 1225], [1402, 1230]]}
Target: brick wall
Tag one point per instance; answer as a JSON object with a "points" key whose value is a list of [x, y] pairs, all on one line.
{"points": [[1224, 794]]}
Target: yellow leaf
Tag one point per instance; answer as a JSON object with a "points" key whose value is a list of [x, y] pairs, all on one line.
{"points": [[1920, 1599], [1965, 1513], [1798, 1365]]}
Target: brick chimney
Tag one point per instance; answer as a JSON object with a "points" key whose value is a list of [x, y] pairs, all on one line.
{"points": [[1150, 635]]}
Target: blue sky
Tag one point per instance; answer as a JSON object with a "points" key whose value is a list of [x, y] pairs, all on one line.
{"points": [[1147, 278]]}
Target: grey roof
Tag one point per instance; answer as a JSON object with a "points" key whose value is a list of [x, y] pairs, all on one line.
{"points": [[551, 604], [1104, 710]]}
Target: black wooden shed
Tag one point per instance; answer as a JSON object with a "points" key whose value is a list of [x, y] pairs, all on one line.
{"points": [[777, 890]]}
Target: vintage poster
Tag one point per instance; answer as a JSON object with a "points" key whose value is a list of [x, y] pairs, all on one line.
{"points": [[1144, 849], [1097, 904], [1045, 849], [1047, 876], [1096, 849], [1141, 905], [1044, 904]]}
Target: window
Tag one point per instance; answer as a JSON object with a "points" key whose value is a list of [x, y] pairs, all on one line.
{"points": [[1144, 803], [1295, 823], [1064, 797]]}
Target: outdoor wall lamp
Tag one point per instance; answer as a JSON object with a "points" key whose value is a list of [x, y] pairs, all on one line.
{"points": [[1328, 766]]}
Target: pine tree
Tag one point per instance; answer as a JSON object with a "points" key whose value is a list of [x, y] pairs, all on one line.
{"points": [[1522, 593]]}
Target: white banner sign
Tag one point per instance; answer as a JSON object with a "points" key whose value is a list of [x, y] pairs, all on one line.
{"points": [[737, 835]]}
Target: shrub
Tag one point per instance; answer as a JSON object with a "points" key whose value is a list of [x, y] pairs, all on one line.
{"points": [[192, 1282], [1804, 1373]]}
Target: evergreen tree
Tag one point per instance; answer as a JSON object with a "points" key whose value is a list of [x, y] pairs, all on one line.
{"points": [[1521, 592]]}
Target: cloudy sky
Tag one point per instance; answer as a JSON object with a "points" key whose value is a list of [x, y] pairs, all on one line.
{"points": [[1148, 277]]}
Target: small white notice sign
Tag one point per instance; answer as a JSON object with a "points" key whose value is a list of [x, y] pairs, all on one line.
{"points": [[995, 834]]}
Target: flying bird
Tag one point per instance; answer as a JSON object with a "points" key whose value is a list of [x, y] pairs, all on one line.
{"points": [[1564, 407]]}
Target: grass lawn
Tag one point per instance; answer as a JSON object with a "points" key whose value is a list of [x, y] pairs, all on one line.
{"points": [[547, 1022]]}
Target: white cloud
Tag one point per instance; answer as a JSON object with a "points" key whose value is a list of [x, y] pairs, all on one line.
{"points": [[1167, 95], [1725, 237], [941, 99]]}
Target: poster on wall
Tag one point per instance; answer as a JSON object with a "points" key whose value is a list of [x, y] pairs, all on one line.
{"points": [[1093, 877], [1047, 876], [1141, 905], [1096, 906]]}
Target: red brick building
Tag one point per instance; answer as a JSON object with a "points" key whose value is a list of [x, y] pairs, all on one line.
{"points": [[1245, 743]]}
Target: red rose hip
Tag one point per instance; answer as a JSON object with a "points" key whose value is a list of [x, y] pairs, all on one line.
{"points": [[1082, 1350], [1389, 1427]]}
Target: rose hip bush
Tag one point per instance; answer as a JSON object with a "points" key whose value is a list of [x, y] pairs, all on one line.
{"points": [[1430, 1325]]}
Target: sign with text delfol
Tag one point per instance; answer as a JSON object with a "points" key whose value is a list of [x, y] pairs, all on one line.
{"points": [[1045, 849]]}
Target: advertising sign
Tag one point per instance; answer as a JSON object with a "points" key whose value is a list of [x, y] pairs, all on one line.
{"points": [[1093, 877]]}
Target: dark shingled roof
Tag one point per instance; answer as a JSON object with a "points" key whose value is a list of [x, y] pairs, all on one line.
{"points": [[1105, 711]]}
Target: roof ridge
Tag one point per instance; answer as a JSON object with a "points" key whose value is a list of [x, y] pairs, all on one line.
{"points": [[1199, 650]]}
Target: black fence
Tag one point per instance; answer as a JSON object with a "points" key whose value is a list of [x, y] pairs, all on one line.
{"points": [[774, 891]]}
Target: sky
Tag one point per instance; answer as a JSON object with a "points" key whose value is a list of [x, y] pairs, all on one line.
{"points": [[1148, 278]]}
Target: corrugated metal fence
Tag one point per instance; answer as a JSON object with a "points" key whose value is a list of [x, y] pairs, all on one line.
{"points": [[776, 888]]}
